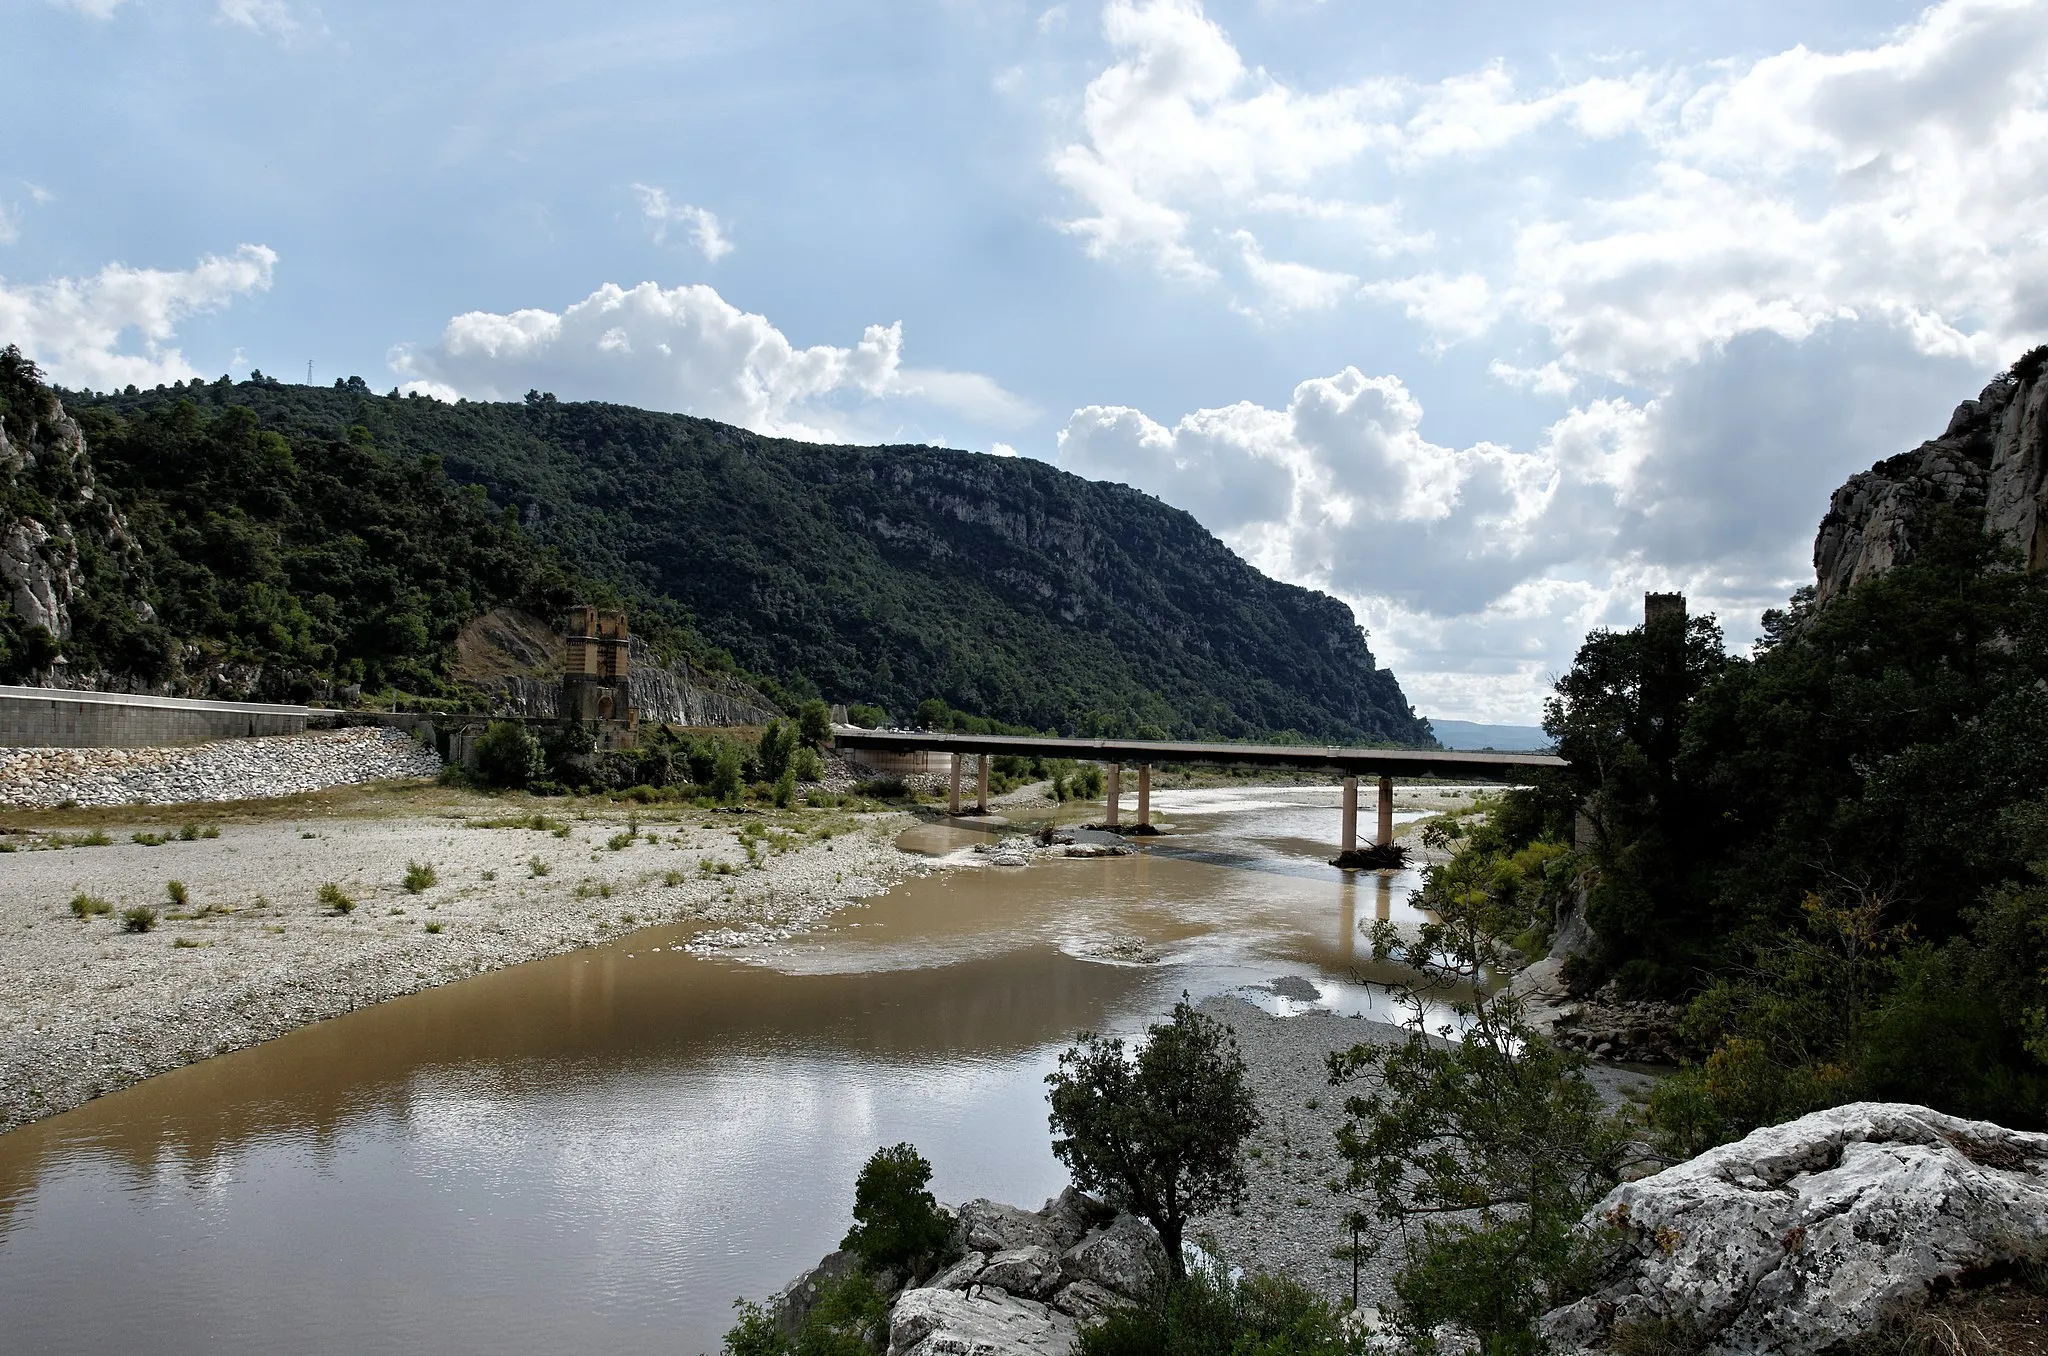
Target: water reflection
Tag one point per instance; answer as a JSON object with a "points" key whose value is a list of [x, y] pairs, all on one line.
{"points": [[600, 1150]]}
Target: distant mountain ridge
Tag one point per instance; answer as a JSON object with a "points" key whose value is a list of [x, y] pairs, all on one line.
{"points": [[887, 575], [1470, 736]]}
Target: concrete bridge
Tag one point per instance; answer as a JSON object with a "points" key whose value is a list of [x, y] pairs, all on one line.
{"points": [[1386, 764]]}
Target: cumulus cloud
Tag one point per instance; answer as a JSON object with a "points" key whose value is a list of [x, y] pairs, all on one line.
{"points": [[704, 228], [1292, 287], [273, 18], [1479, 566], [91, 9], [688, 349], [78, 328]]}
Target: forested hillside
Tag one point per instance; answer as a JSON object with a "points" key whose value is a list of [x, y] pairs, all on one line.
{"points": [[331, 533]]}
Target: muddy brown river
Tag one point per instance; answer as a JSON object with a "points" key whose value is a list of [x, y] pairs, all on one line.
{"points": [[601, 1150]]}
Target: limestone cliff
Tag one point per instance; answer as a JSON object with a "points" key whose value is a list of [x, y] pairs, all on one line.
{"points": [[1990, 462], [50, 508]]}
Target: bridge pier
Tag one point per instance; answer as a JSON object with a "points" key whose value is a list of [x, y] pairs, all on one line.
{"points": [[1386, 834], [1144, 795], [1113, 794], [953, 804], [1347, 837], [981, 790]]}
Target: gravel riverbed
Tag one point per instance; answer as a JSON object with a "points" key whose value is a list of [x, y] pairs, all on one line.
{"points": [[1293, 1222], [87, 1007]]}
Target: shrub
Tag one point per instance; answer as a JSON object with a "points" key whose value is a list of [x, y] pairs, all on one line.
{"points": [[334, 899], [850, 1318], [508, 756], [141, 918], [1479, 1155], [1159, 1134], [420, 877], [807, 764], [148, 839], [725, 773], [1209, 1311], [433, 927], [814, 723], [896, 1221], [622, 839], [785, 789], [778, 742], [537, 866], [179, 897], [88, 906], [210, 831]]}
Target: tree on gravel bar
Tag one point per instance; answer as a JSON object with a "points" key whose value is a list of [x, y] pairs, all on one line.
{"points": [[1157, 1133], [1479, 1148]]}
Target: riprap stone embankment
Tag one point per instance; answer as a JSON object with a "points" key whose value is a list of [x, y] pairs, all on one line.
{"points": [[222, 770]]}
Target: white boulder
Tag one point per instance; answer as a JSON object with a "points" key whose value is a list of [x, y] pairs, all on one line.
{"points": [[1032, 1272], [990, 1226], [1127, 1257], [977, 1322], [1805, 1234]]}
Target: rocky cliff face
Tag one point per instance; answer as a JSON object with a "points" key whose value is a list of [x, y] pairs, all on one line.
{"points": [[1990, 462], [49, 510]]}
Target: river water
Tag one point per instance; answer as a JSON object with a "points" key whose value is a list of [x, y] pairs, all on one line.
{"points": [[601, 1150]]}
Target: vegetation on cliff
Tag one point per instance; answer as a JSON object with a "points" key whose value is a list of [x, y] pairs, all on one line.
{"points": [[1834, 850], [878, 576]]}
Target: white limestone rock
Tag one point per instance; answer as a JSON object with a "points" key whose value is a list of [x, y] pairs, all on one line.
{"points": [[1127, 1257], [961, 1274], [1085, 1301], [990, 1226], [977, 1322], [1071, 1214], [1032, 1272], [1805, 1234]]}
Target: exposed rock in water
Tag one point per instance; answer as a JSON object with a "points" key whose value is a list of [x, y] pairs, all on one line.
{"points": [[1990, 462], [1806, 1234]]}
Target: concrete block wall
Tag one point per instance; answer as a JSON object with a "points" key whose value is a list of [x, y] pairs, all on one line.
{"points": [[48, 717]]}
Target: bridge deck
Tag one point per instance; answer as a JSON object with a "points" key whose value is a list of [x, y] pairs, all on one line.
{"points": [[1491, 767]]}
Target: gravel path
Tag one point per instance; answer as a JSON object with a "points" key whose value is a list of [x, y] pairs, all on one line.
{"points": [[1292, 1220], [86, 1008]]}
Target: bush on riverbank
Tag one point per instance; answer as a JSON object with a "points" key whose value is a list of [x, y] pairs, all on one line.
{"points": [[897, 1222], [850, 1318], [1208, 1312]]}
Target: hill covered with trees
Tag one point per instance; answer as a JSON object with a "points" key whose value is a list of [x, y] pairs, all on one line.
{"points": [[284, 539]]}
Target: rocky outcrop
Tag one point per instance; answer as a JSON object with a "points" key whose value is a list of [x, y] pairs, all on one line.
{"points": [[517, 658], [1990, 463], [1806, 1234], [1024, 1284]]}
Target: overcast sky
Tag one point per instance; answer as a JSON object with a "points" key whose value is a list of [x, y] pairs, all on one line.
{"points": [[1483, 316]]}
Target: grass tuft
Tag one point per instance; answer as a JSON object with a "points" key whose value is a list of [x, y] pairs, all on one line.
{"points": [[141, 918], [88, 906], [179, 896], [420, 877], [332, 896]]}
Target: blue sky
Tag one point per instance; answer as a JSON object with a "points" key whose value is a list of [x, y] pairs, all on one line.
{"points": [[1485, 317]]}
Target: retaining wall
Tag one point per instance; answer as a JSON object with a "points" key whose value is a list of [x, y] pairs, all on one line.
{"points": [[49, 717]]}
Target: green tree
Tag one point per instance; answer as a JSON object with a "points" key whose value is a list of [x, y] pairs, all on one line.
{"points": [[1161, 1133], [507, 755], [778, 742], [1479, 1145], [814, 723], [725, 772], [897, 1222]]}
